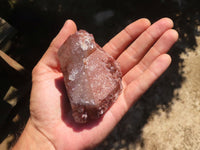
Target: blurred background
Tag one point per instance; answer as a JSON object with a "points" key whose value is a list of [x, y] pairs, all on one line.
{"points": [[167, 116]]}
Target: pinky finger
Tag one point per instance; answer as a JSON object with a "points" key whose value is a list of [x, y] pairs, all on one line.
{"points": [[141, 84]]}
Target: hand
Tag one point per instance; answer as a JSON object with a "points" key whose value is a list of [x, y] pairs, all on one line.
{"points": [[141, 51]]}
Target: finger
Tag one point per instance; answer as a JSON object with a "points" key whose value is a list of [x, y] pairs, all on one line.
{"points": [[160, 47], [137, 87], [50, 57], [122, 40], [138, 49]]}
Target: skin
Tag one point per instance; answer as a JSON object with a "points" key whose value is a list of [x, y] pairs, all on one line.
{"points": [[141, 51]]}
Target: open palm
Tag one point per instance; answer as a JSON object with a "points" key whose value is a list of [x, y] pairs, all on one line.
{"points": [[140, 50]]}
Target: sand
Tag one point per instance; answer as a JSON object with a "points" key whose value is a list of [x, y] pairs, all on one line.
{"points": [[174, 125]]}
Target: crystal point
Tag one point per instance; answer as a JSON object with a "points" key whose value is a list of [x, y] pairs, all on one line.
{"points": [[92, 77]]}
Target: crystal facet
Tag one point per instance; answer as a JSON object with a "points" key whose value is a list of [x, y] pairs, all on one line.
{"points": [[92, 77]]}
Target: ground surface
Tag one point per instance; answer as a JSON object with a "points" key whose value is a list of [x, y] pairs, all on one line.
{"points": [[180, 128], [177, 129]]}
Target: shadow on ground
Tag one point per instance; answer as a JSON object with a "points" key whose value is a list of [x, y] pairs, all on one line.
{"points": [[38, 22]]}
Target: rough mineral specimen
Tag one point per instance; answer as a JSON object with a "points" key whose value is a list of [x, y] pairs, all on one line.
{"points": [[92, 77]]}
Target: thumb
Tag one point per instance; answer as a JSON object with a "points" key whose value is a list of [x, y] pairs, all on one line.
{"points": [[50, 59], [68, 28]]}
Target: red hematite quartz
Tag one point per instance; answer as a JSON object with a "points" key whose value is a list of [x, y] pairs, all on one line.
{"points": [[92, 77]]}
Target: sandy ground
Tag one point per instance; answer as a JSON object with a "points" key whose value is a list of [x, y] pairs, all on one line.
{"points": [[176, 128], [180, 128]]}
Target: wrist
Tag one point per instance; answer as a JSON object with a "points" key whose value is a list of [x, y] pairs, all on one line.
{"points": [[32, 139]]}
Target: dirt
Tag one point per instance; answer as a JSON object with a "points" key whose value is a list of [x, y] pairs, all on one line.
{"points": [[177, 129], [180, 128]]}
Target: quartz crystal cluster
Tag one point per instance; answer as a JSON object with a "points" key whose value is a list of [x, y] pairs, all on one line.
{"points": [[92, 77]]}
